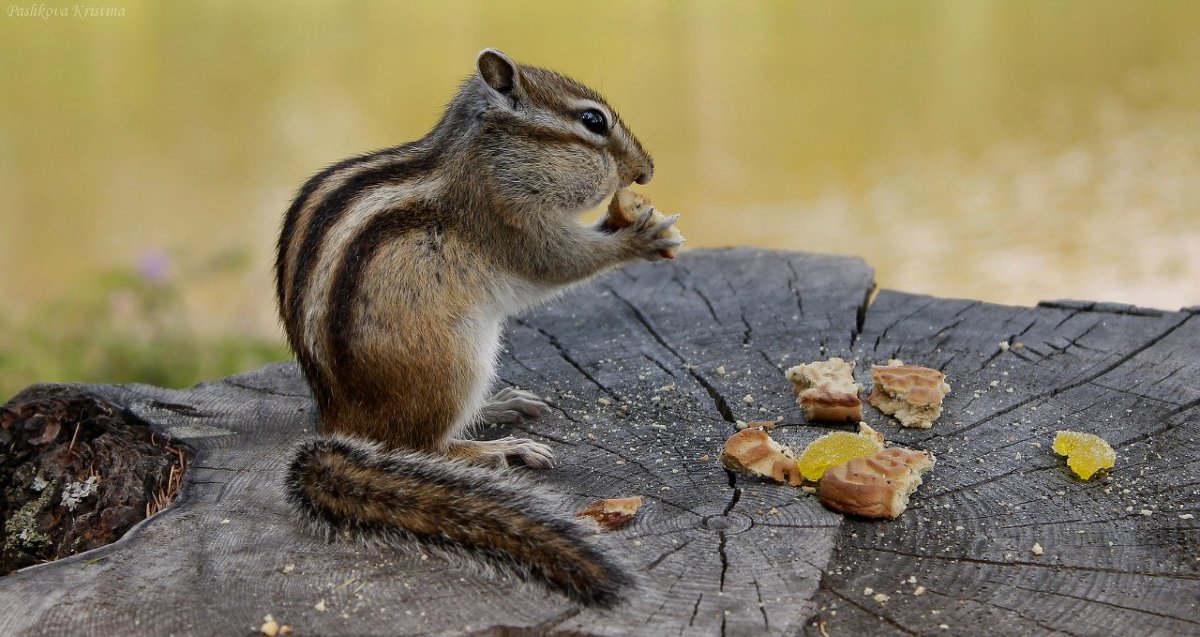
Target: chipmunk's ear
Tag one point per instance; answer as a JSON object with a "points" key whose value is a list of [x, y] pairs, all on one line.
{"points": [[498, 71]]}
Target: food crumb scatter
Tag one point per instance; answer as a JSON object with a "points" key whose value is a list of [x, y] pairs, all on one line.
{"points": [[1037, 549]]}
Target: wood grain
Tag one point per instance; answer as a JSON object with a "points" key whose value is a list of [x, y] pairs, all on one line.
{"points": [[717, 554]]}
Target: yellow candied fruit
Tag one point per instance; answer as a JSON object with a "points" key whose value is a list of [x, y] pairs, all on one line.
{"points": [[832, 450], [1086, 453]]}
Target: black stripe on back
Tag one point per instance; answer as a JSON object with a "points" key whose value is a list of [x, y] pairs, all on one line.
{"points": [[335, 206], [344, 293], [293, 215]]}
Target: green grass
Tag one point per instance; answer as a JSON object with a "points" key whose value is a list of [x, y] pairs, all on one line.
{"points": [[122, 327]]}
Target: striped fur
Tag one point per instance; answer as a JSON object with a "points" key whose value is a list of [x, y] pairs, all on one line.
{"points": [[395, 271], [345, 486]]}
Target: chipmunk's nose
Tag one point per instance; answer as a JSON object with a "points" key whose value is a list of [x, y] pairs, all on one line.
{"points": [[636, 165], [645, 172]]}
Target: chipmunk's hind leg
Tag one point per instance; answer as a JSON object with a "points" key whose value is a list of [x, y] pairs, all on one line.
{"points": [[511, 405], [499, 453]]}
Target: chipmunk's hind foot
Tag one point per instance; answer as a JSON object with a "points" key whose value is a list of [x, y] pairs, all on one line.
{"points": [[502, 452]]}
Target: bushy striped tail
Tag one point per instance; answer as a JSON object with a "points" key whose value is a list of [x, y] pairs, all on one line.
{"points": [[347, 485]]}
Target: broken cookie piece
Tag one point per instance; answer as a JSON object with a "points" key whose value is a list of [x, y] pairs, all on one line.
{"points": [[612, 513], [912, 394], [753, 452], [826, 390], [875, 486], [627, 207]]}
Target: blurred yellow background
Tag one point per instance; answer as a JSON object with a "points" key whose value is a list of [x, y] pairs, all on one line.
{"points": [[1003, 150]]}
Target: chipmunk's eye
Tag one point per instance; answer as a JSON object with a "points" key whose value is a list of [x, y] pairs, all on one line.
{"points": [[594, 121]]}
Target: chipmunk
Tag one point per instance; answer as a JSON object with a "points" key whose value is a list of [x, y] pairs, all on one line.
{"points": [[395, 273]]}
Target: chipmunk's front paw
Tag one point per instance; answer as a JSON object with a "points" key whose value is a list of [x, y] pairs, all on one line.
{"points": [[511, 405], [652, 240]]}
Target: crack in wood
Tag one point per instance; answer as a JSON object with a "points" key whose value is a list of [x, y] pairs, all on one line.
{"points": [[883, 335], [1018, 563], [1050, 630], [658, 560], [566, 356], [888, 620], [1055, 391], [1099, 307], [747, 331], [762, 607], [263, 390], [718, 400], [860, 313], [724, 559], [1109, 604], [795, 290], [646, 323], [712, 311], [695, 610], [666, 370]]}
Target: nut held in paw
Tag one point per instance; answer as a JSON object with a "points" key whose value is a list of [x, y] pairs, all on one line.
{"points": [[625, 209]]}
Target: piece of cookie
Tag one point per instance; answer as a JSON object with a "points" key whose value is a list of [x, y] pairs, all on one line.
{"points": [[875, 486], [612, 513], [912, 394], [826, 390], [753, 452]]}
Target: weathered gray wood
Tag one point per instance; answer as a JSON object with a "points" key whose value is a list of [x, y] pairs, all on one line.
{"points": [[1127, 374], [717, 554]]}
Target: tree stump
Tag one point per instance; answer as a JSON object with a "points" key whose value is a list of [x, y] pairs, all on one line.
{"points": [[648, 369]]}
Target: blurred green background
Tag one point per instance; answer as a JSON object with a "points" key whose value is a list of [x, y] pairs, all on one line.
{"points": [[1004, 150]]}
